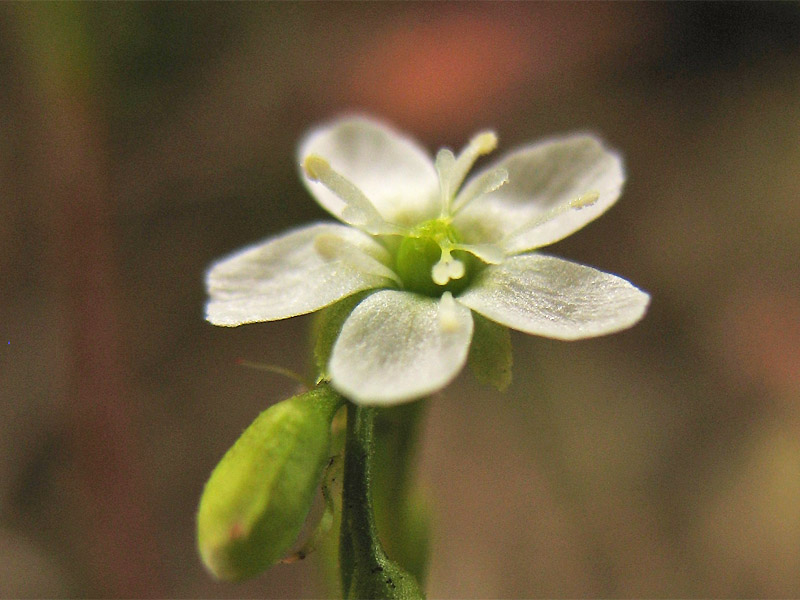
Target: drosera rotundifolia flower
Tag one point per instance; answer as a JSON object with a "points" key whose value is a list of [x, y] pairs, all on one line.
{"points": [[439, 253]]}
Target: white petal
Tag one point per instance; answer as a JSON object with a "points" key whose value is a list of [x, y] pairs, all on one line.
{"points": [[533, 208], [392, 170], [555, 298], [293, 274], [398, 346]]}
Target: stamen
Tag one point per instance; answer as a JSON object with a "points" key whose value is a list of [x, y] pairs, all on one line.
{"points": [[481, 144], [448, 318], [579, 203], [359, 211], [488, 182], [332, 247]]}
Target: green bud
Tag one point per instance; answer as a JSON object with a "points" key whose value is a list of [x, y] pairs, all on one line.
{"points": [[258, 497]]}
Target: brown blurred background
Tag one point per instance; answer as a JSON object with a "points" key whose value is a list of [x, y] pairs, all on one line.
{"points": [[140, 141]]}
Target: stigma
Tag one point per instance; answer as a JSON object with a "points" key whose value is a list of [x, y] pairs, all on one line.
{"points": [[448, 268]]}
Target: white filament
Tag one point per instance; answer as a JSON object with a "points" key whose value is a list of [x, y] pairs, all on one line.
{"points": [[452, 170], [333, 247]]}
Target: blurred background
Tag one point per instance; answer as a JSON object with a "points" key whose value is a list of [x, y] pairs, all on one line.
{"points": [[141, 141]]}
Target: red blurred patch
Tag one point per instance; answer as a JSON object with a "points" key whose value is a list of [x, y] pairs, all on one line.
{"points": [[236, 532], [433, 74], [763, 338], [437, 70]]}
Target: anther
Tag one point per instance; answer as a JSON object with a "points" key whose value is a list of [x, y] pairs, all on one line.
{"points": [[578, 203], [584, 200], [483, 143], [314, 166], [448, 319]]}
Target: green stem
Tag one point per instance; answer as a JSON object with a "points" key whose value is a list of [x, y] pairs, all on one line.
{"points": [[366, 571], [359, 536]]}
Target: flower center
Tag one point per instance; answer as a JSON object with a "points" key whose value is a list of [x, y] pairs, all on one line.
{"points": [[428, 261]]}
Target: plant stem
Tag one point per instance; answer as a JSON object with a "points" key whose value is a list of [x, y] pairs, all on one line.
{"points": [[366, 571], [359, 535]]}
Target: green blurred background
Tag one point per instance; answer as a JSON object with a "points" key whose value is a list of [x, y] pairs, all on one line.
{"points": [[140, 141]]}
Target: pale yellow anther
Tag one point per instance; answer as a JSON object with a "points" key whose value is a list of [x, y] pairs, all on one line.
{"points": [[315, 167], [484, 142], [585, 200], [448, 316], [579, 203], [328, 246]]}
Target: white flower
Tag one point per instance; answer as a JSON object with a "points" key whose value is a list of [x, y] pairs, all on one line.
{"points": [[434, 250]]}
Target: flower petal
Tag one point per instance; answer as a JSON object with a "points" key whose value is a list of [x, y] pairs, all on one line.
{"points": [[398, 346], [393, 171], [555, 298], [536, 206], [294, 274]]}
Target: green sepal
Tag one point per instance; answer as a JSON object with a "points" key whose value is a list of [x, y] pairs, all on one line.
{"points": [[490, 355], [327, 328], [259, 495]]}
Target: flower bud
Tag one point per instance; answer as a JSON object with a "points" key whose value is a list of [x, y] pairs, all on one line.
{"points": [[258, 497]]}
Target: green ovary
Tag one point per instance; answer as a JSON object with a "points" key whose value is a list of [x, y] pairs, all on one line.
{"points": [[421, 250]]}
